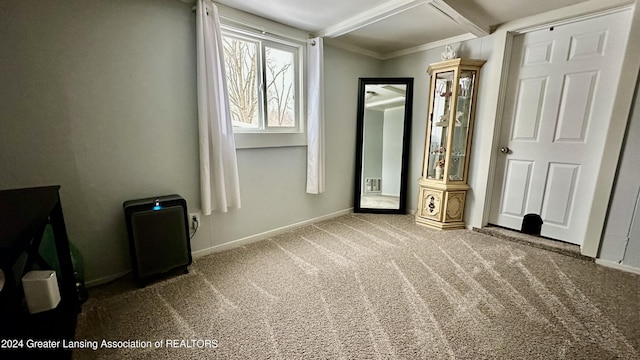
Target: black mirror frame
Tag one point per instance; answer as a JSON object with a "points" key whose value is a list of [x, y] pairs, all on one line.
{"points": [[406, 137]]}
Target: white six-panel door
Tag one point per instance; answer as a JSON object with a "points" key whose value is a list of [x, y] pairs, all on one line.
{"points": [[560, 95]]}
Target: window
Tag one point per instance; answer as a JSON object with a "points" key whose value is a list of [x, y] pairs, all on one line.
{"points": [[264, 82]]}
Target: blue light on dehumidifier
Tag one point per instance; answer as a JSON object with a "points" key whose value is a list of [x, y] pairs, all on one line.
{"points": [[157, 205]]}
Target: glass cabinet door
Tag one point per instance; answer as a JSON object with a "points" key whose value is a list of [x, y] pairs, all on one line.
{"points": [[440, 118], [461, 128]]}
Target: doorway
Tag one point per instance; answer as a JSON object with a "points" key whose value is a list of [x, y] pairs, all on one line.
{"points": [[557, 110]]}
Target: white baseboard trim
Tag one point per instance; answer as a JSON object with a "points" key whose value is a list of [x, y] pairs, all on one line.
{"points": [[265, 235], [615, 265], [106, 279]]}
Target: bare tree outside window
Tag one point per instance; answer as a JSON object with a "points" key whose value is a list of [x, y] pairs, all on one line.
{"points": [[241, 67], [280, 88], [262, 93]]}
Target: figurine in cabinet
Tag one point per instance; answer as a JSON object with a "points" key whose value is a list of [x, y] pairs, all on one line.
{"points": [[443, 184]]}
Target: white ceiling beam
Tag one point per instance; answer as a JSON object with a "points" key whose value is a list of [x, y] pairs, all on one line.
{"points": [[394, 89], [463, 16], [369, 17]]}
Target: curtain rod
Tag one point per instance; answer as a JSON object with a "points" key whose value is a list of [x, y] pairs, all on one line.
{"points": [[254, 27]]}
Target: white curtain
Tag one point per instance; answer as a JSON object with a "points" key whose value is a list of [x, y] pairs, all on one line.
{"points": [[315, 117], [219, 184]]}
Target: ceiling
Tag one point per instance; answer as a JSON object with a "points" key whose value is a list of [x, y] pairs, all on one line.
{"points": [[384, 96], [385, 28]]}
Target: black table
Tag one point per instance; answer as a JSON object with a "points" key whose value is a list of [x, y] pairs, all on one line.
{"points": [[24, 215]]}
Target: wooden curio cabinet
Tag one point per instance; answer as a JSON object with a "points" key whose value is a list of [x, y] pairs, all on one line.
{"points": [[443, 184]]}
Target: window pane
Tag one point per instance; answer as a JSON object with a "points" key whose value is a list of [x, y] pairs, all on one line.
{"points": [[241, 67], [281, 89]]}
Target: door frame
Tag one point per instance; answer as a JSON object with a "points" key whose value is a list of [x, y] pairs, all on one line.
{"points": [[499, 68]]}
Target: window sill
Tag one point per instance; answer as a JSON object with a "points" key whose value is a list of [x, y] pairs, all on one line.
{"points": [[267, 140]]}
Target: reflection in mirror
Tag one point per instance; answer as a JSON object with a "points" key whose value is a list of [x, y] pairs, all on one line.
{"points": [[384, 117]]}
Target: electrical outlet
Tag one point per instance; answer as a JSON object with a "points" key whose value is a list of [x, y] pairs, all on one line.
{"points": [[192, 223]]}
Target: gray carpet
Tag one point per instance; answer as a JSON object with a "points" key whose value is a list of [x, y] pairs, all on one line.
{"points": [[375, 287]]}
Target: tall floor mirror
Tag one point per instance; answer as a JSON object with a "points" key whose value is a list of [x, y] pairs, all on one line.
{"points": [[382, 153]]}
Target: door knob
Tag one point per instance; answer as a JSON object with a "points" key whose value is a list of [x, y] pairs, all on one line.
{"points": [[505, 150]]}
